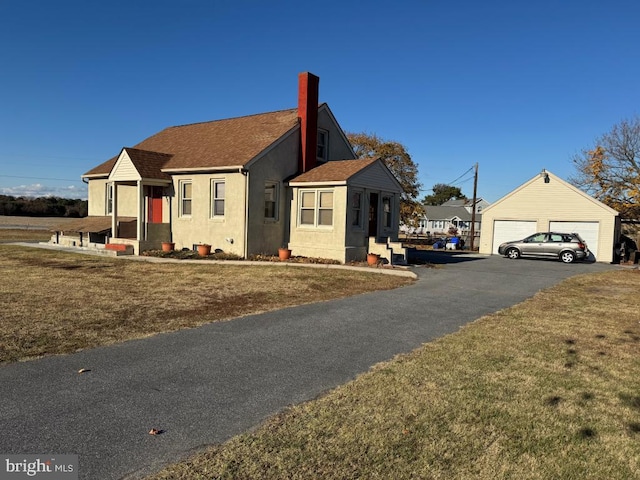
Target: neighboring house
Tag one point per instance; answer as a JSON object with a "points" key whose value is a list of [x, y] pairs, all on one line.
{"points": [[246, 185], [438, 219], [548, 203], [467, 203]]}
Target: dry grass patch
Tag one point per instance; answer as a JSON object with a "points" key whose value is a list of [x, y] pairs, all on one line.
{"points": [[24, 235], [55, 302], [546, 389]]}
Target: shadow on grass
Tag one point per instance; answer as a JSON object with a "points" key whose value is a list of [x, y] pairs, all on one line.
{"points": [[587, 433], [632, 401]]}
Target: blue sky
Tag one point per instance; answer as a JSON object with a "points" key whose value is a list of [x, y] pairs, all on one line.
{"points": [[514, 86]]}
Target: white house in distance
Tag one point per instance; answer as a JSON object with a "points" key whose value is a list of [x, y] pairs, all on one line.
{"points": [[245, 185], [437, 219], [467, 203], [548, 203]]}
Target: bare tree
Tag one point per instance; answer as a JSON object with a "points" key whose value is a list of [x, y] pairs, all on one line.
{"points": [[611, 170]]}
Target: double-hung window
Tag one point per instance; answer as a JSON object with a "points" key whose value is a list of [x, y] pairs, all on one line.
{"points": [[323, 145], [217, 198], [109, 199], [186, 197], [271, 201], [356, 209], [316, 208], [386, 212]]}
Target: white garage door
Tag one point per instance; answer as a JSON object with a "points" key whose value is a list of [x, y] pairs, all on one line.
{"points": [[508, 230], [589, 232]]}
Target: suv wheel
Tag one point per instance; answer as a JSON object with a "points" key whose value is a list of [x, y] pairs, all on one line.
{"points": [[567, 257], [513, 253]]}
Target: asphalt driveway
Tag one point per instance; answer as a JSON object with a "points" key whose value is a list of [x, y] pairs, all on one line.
{"points": [[203, 386]]}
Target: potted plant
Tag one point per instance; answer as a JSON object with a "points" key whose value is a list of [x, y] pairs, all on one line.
{"points": [[168, 246], [284, 253], [204, 249]]}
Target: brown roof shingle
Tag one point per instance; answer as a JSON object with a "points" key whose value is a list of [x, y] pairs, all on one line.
{"points": [[102, 169], [220, 143], [149, 164], [89, 224], [334, 171]]}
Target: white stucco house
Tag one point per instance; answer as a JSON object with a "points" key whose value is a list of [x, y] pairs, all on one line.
{"points": [[245, 185], [548, 203]]}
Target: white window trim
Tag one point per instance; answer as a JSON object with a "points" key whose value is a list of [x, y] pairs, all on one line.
{"points": [[181, 198], [276, 207], [391, 215], [360, 224], [326, 145], [316, 209], [108, 202], [212, 213]]}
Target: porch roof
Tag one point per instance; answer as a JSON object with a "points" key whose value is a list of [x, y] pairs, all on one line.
{"points": [[149, 164], [337, 171], [93, 224]]}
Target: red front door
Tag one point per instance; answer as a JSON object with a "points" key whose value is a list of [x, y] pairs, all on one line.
{"points": [[155, 205]]}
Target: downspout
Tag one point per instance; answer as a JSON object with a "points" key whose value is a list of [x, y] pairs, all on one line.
{"points": [[245, 248]]}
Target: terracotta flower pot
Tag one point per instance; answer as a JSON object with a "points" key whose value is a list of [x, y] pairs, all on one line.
{"points": [[204, 250], [168, 246], [373, 258], [284, 254]]}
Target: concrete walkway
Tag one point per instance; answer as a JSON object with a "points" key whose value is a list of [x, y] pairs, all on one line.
{"points": [[204, 385]]}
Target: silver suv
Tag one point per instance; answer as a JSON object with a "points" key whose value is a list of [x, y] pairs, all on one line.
{"points": [[567, 247]]}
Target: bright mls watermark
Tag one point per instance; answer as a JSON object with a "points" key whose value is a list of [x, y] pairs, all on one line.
{"points": [[50, 467]]}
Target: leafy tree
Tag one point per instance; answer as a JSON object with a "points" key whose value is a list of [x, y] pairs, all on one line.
{"points": [[398, 160], [443, 193], [611, 170]]}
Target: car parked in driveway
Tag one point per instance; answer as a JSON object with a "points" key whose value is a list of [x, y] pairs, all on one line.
{"points": [[567, 247]]}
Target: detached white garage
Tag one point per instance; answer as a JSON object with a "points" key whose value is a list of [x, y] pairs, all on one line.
{"points": [[548, 203], [508, 230]]}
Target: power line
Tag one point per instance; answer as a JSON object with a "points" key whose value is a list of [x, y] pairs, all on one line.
{"points": [[465, 180], [43, 178], [38, 155], [452, 183]]}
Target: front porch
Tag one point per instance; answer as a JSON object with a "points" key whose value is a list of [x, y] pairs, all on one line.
{"points": [[149, 237], [150, 226], [137, 187]]}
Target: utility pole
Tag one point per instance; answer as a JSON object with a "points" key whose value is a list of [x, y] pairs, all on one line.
{"points": [[473, 208]]}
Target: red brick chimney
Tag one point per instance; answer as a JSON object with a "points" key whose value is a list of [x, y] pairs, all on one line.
{"points": [[308, 115]]}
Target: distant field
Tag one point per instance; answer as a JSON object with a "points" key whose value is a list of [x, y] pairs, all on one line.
{"points": [[28, 229], [36, 223]]}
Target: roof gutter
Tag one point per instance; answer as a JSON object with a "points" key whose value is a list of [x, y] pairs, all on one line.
{"points": [[95, 176], [231, 168], [327, 183]]}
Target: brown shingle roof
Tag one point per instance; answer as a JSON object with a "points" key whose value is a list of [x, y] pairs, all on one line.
{"points": [[220, 143], [102, 169], [149, 164], [88, 224], [334, 171]]}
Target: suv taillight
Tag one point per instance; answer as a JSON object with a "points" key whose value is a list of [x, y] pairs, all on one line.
{"points": [[581, 246]]}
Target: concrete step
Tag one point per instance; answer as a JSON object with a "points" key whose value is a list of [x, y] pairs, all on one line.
{"points": [[119, 248]]}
